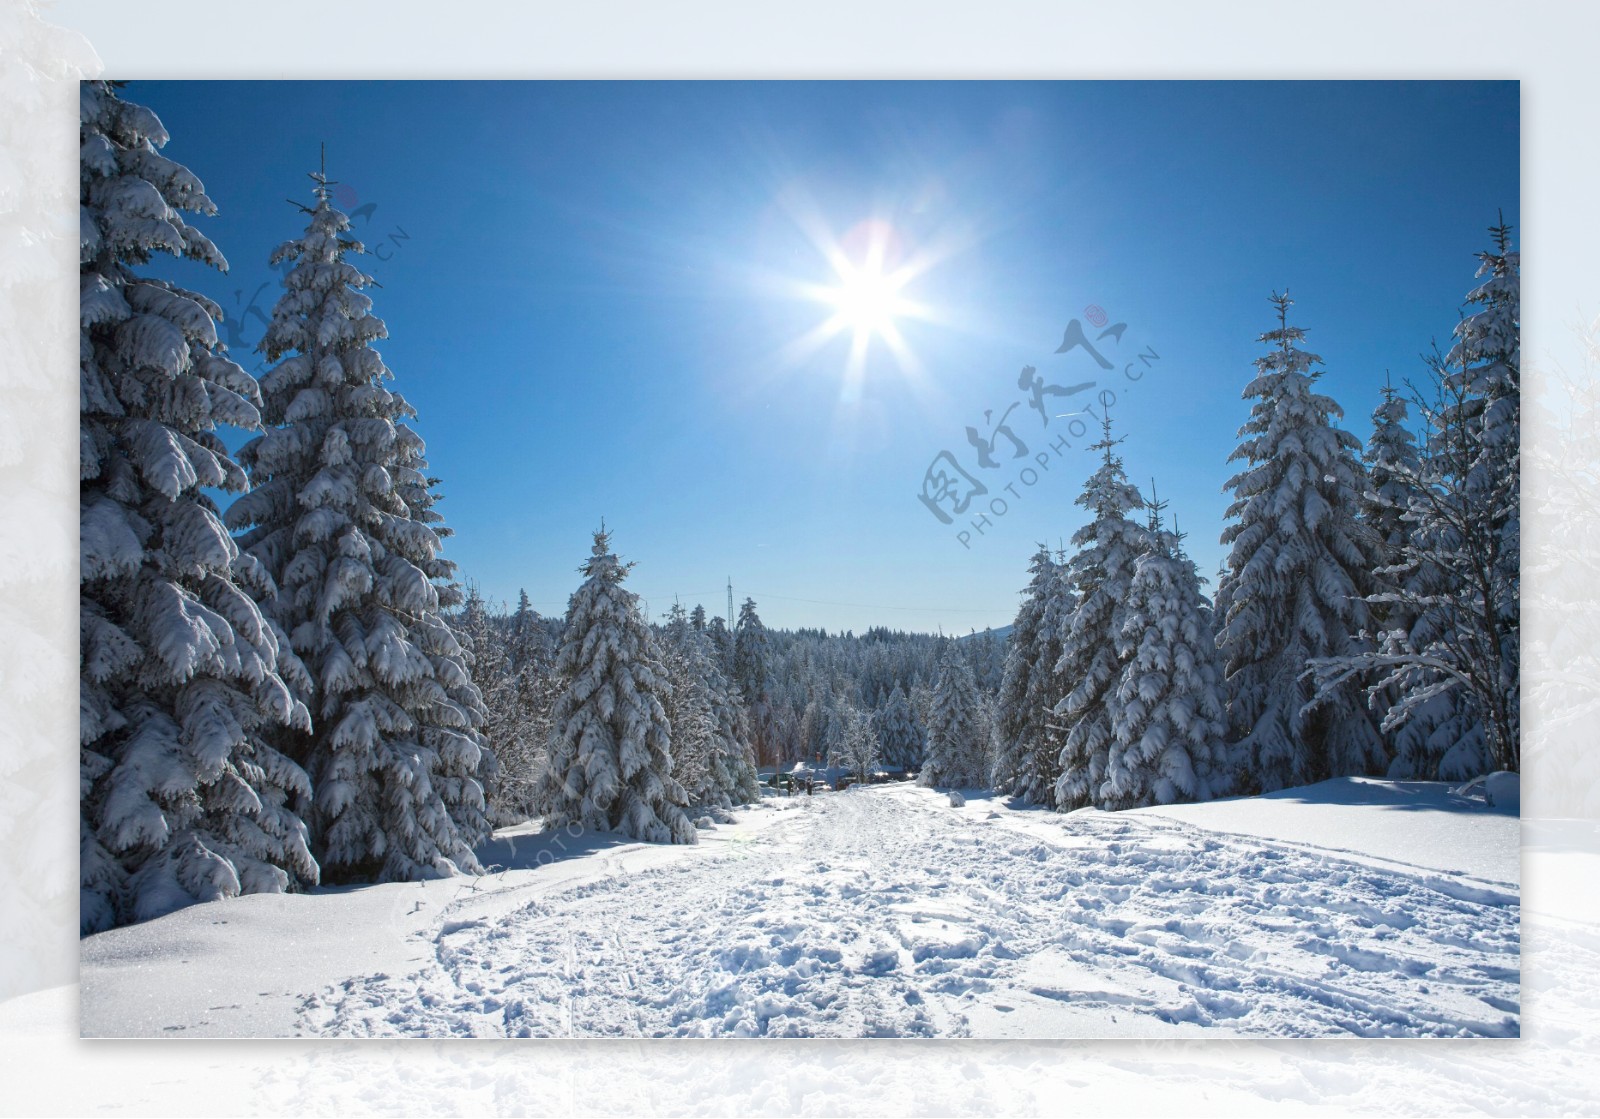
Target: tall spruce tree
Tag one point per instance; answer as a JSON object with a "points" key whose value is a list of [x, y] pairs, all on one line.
{"points": [[1297, 572], [1392, 463], [812, 734], [510, 667], [710, 735], [485, 651], [957, 744], [900, 739], [1099, 573], [535, 685], [695, 754], [1391, 459], [722, 645], [1483, 375], [1167, 709], [736, 763], [1456, 671], [1027, 749], [1484, 380], [750, 673], [610, 758], [340, 511], [183, 796], [750, 651]]}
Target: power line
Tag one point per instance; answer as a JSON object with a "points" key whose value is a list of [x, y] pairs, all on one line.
{"points": [[875, 606], [644, 598]]}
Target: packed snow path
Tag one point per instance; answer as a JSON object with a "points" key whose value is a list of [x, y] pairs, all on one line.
{"points": [[884, 912]]}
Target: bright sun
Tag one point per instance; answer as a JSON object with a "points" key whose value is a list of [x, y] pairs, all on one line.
{"points": [[867, 299]]}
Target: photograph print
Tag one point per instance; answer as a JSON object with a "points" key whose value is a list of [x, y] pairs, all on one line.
{"points": [[799, 559]]}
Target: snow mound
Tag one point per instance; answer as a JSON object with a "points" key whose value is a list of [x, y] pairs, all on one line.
{"points": [[1500, 791], [1504, 791]]}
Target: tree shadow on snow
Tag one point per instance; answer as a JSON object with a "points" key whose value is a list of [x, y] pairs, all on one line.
{"points": [[517, 849], [1374, 792]]}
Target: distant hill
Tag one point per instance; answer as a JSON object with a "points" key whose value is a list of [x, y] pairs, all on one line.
{"points": [[1002, 633]]}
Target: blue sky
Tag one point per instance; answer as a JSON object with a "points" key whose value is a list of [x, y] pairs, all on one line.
{"points": [[594, 295]]}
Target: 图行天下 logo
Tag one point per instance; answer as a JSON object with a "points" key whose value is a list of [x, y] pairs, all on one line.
{"points": [[972, 499]]}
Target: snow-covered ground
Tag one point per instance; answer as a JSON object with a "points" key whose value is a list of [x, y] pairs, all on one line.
{"points": [[244, 967], [1413, 823], [1349, 908]]}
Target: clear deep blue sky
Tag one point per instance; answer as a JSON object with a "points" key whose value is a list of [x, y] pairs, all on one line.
{"points": [[587, 293]]}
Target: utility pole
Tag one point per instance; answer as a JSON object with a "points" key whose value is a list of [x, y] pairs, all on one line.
{"points": [[730, 603]]}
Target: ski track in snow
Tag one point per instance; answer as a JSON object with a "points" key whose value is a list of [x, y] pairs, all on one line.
{"points": [[883, 912]]}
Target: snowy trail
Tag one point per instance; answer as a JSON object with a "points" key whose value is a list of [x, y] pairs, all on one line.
{"points": [[882, 912]]}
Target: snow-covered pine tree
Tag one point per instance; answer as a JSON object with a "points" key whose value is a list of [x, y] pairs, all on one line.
{"points": [[899, 736], [920, 696], [1167, 710], [736, 765], [1060, 605], [1012, 711], [1027, 749], [988, 729], [722, 645], [528, 644], [340, 512], [1297, 570], [1099, 574], [484, 651], [183, 798], [957, 744], [1392, 464], [1456, 671], [987, 655], [693, 729], [1390, 457], [1438, 733], [610, 758], [510, 667], [821, 730], [858, 746], [733, 762], [812, 732], [835, 719], [750, 651], [518, 725], [701, 760], [1485, 382], [1483, 374], [750, 673]]}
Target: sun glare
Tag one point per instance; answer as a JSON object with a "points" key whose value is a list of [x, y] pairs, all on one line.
{"points": [[865, 295], [868, 300]]}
